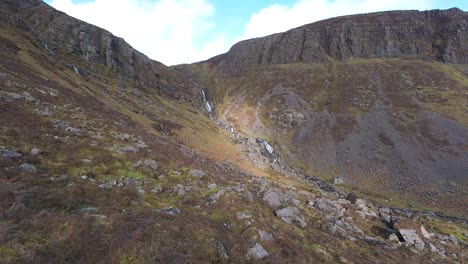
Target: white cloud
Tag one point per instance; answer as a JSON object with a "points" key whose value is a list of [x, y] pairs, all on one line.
{"points": [[164, 30], [278, 18]]}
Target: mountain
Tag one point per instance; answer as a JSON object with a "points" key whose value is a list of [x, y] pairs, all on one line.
{"points": [[378, 100], [329, 143]]}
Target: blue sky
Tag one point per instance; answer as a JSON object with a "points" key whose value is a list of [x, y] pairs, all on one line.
{"points": [[185, 31]]}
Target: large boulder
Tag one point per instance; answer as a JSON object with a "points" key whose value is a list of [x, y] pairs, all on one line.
{"points": [[291, 215], [411, 238], [274, 199], [329, 208]]}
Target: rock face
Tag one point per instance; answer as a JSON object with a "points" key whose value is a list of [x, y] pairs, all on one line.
{"points": [[61, 35], [435, 35]]}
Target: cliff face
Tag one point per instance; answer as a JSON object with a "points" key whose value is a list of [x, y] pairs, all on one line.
{"points": [[66, 36], [430, 35]]}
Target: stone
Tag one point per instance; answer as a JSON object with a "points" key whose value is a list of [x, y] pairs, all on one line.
{"points": [[215, 196], [27, 167], [291, 215], [212, 186], [243, 215], [199, 174], [179, 189], [338, 181], [9, 154], [411, 238], [393, 238], [89, 210], [330, 209], [265, 236], [35, 151], [257, 252], [147, 163], [168, 211], [424, 233], [274, 199], [222, 252], [157, 189]]}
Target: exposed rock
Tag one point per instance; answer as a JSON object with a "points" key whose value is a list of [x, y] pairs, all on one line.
{"points": [[338, 181], [157, 189], [265, 236], [291, 215], [425, 234], [411, 238], [222, 252], [199, 174], [256, 251], [212, 186], [147, 163], [215, 196], [393, 238], [168, 211], [9, 154], [89, 210], [330, 209], [391, 31], [35, 151], [275, 199], [243, 215], [179, 189], [28, 168]]}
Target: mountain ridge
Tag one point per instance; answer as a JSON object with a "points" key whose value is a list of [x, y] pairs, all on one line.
{"points": [[396, 34]]}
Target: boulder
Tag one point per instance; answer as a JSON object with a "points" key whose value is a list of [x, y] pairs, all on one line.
{"points": [[168, 211], [257, 252], [243, 215], [157, 189], [29, 168], [196, 173], [215, 196], [9, 154], [338, 181], [274, 199], [35, 151], [147, 163], [265, 236], [411, 238], [330, 209], [291, 215]]}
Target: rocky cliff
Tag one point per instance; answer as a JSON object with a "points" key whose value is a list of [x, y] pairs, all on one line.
{"points": [[63, 35], [430, 35]]}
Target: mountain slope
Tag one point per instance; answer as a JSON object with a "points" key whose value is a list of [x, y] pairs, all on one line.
{"points": [[109, 157], [365, 98]]}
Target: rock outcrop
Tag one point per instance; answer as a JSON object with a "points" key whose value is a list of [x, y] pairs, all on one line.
{"points": [[430, 35]]}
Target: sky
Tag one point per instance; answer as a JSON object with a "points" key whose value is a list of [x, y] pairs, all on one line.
{"points": [[186, 31]]}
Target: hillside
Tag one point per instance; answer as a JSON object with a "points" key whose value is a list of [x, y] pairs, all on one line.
{"points": [[107, 156]]}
